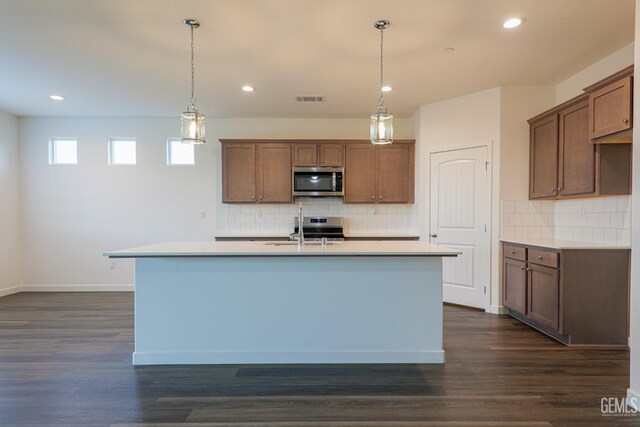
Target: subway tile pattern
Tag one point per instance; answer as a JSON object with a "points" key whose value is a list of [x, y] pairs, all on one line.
{"points": [[597, 220], [263, 219]]}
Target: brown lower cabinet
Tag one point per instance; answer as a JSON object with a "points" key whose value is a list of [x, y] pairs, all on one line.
{"points": [[576, 296]]}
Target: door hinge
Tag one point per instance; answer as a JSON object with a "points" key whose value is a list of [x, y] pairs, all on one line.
{"points": [[485, 290], [486, 166], [485, 228]]}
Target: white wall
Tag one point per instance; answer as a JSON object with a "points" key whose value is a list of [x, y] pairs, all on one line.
{"points": [[10, 239], [634, 389], [73, 213], [517, 105], [572, 86], [470, 120]]}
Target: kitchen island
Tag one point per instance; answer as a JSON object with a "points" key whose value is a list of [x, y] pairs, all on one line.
{"points": [[269, 302]]}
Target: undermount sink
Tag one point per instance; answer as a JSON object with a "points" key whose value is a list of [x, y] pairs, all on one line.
{"points": [[307, 243]]}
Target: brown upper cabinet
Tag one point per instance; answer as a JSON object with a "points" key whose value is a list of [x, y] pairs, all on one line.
{"points": [[543, 156], [577, 156], [566, 162], [259, 171], [256, 172], [611, 108], [318, 155], [380, 174], [273, 165], [238, 173]]}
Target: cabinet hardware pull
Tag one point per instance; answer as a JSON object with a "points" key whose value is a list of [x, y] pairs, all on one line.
{"points": [[553, 188], [522, 268], [528, 269], [380, 197], [513, 252], [540, 258], [625, 121], [253, 197], [373, 197], [261, 197]]}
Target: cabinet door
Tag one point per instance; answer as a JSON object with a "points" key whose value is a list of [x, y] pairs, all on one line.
{"points": [[395, 173], [238, 173], [305, 155], [610, 108], [359, 174], [331, 155], [577, 161], [274, 173], [543, 157], [544, 296], [514, 278]]}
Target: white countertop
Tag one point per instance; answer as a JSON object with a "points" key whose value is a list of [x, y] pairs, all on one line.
{"points": [[563, 244], [240, 249], [286, 236]]}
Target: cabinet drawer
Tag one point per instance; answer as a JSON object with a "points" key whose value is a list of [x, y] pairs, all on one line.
{"points": [[541, 257], [514, 252]]}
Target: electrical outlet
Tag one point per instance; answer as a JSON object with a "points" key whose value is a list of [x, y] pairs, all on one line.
{"points": [[113, 265], [203, 215]]}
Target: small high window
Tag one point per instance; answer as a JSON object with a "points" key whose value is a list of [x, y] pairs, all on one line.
{"points": [[122, 151], [63, 151], [179, 153]]}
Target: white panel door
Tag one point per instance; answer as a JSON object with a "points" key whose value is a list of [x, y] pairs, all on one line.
{"points": [[459, 203]]}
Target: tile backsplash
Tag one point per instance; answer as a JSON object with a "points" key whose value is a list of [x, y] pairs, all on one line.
{"points": [[262, 219], [598, 220]]}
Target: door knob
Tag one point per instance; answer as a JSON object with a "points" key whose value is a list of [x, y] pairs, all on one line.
{"points": [[434, 235]]}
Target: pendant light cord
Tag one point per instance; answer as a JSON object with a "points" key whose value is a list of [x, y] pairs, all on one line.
{"points": [[381, 100], [193, 90]]}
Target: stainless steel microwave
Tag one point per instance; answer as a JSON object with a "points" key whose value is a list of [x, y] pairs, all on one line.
{"points": [[318, 182]]}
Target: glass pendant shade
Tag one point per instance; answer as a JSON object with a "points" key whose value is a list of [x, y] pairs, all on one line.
{"points": [[381, 131], [193, 128]]}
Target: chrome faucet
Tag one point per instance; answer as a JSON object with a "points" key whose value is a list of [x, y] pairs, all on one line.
{"points": [[300, 224]]}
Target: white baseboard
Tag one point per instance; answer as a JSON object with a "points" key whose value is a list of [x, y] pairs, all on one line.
{"points": [[9, 291], [497, 309], [77, 288], [250, 357]]}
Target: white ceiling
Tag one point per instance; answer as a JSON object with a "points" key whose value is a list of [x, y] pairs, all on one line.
{"points": [[131, 57]]}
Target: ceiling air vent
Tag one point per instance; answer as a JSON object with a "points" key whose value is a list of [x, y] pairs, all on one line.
{"points": [[310, 98]]}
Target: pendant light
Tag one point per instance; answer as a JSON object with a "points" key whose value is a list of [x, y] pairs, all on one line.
{"points": [[381, 131], [193, 130]]}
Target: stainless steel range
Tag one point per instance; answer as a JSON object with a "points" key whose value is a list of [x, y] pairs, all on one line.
{"points": [[319, 227]]}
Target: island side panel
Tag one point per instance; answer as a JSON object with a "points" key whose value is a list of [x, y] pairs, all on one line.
{"points": [[214, 310]]}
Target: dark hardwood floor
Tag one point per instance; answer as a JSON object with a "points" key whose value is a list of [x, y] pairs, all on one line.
{"points": [[65, 359]]}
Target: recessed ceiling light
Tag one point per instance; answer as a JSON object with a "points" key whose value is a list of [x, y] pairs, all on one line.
{"points": [[57, 97], [387, 88], [248, 88], [449, 49], [513, 22]]}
